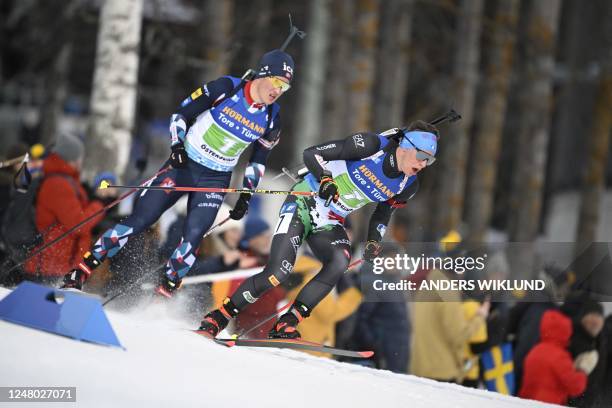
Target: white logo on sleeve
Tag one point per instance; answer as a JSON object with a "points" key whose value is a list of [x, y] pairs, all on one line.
{"points": [[328, 146], [358, 140]]}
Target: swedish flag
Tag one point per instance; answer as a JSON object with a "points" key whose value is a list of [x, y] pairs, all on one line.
{"points": [[499, 369]]}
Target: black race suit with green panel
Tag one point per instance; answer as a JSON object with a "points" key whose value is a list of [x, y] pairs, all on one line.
{"points": [[365, 168]]}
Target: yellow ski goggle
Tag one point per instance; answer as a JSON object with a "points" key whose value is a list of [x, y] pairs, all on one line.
{"points": [[279, 83]]}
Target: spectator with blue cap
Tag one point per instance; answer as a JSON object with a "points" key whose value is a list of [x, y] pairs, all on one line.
{"points": [[106, 196], [257, 236], [107, 176]]}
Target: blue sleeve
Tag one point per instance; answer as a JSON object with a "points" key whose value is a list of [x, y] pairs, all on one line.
{"points": [[261, 150], [266, 143], [200, 100], [204, 98]]}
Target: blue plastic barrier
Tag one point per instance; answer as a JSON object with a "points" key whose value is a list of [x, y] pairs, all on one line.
{"points": [[65, 313]]}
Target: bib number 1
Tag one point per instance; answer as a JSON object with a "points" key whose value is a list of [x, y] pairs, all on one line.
{"points": [[227, 145], [282, 226], [286, 215]]}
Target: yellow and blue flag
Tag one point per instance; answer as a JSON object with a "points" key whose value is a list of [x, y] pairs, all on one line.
{"points": [[498, 369]]}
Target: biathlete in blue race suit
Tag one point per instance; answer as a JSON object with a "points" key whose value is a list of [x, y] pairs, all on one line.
{"points": [[209, 132], [347, 174]]}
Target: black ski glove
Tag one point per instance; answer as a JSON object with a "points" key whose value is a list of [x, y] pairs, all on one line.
{"points": [[328, 189], [178, 157], [241, 207], [371, 251]]}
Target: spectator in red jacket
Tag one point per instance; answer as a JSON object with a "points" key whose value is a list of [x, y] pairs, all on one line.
{"points": [[62, 203], [549, 374]]}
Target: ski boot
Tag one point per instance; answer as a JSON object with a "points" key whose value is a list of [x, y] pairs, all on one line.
{"points": [[75, 279], [214, 322], [169, 284], [286, 326]]}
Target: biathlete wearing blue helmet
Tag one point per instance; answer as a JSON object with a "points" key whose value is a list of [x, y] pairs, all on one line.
{"points": [[347, 174], [208, 133]]}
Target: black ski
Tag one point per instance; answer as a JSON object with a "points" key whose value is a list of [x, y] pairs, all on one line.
{"points": [[290, 344]]}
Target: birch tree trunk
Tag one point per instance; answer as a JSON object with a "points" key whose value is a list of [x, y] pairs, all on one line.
{"points": [[492, 109], [335, 122], [567, 122], [310, 105], [393, 63], [599, 146], [363, 70], [258, 47], [363, 65], [535, 96], [455, 143], [216, 26], [113, 100]]}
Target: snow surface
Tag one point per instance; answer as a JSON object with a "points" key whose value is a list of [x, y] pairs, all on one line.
{"points": [[164, 365]]}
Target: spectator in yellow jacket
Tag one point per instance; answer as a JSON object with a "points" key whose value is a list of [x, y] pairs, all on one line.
{"points": [[471, 366], [441, 332]]}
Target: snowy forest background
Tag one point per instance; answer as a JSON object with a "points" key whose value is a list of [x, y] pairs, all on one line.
{"points": [[532, 80]]}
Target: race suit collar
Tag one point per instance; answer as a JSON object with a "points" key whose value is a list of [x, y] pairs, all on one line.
{"points": [[247, 96]]}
